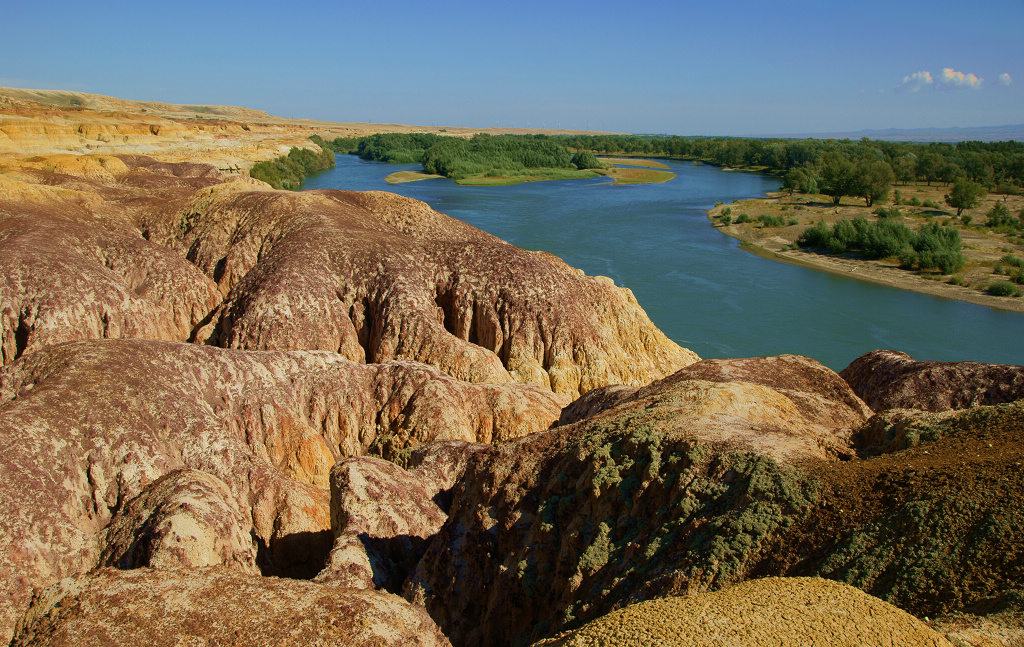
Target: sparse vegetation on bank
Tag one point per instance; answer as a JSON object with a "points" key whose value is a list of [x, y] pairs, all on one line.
{"points": [[290, 171], [876, 244], [934, 247]]}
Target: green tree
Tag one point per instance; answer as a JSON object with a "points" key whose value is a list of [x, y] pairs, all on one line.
{"points": [[800, 180], [874, 180], [965, 195], [928, 166], [838, 176], [905, 167], [585, 160]]}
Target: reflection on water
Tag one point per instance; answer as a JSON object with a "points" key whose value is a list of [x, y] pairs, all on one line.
{"points": [[694, 282]]}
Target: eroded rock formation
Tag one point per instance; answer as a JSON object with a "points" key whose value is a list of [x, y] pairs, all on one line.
{"points": [[86, 427], [655, 496], [888, 379], [382, 518], [375, 277], [365, 323], [681, 487], [186, 519], [210, 606]]}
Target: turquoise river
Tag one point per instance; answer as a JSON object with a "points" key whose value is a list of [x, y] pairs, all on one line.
{"points": [[695, 283]]}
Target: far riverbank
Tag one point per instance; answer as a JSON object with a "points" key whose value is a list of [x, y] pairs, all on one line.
{"points": [[982, 247]]}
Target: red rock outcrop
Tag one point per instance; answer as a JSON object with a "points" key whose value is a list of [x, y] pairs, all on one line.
{"points": [[158, 608], [186, 519], [888, 379], [72, 270], [382, 517], [375, 277], [85, 427]]}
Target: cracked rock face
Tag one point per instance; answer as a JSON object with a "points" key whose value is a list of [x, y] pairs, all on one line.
{"points": [[212, 606], [88, 429], [374, 277], [888, 379], [382, 517]]}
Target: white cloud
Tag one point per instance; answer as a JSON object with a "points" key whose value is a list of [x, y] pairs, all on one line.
{"points": [[916, 81], [1005, 78], [952, 77]]}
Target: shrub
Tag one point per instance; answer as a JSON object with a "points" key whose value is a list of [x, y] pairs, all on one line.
{"points": [[999, 218], [744, 218], [914, 201], [289, 171], [1010, 259], [771, 221], [587, 160], [890, 212], [726, 211], [727, 220], [933, 247], [957, 279], [1003, 289], [930, 204]]}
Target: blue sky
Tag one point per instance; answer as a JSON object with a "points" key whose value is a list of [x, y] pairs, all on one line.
{"points": [[731, 67]]}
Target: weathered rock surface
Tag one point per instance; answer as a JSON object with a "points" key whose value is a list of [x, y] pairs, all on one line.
{"points": [[680, 487], [888, 379], [86, 426], [375, 277], [760, 613], [808, 409], [98, 246], [72, 270], [185, 519], [382, 517], [210, 606], [639, 502]]}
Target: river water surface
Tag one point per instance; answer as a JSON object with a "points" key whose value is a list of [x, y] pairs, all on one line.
{"points": [[695, 283]]}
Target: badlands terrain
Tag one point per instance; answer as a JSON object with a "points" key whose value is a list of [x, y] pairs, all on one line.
{"points": [[236, 415]]}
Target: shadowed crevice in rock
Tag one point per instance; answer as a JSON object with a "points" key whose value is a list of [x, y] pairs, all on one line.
{"points": [[393, 558], [296, 556]]}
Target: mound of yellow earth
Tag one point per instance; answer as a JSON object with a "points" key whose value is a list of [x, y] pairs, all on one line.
{"points": [[772, 611]]}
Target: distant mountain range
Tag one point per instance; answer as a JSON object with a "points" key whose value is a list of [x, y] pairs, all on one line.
{"points": [[956, 134]]}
